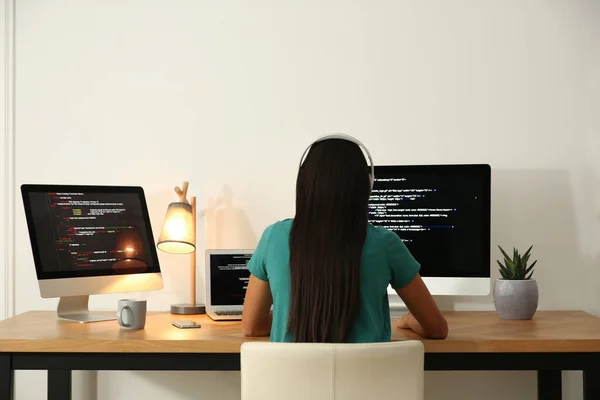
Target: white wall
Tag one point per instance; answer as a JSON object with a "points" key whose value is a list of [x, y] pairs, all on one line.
{"points": [[227, 94], [4, 246]]}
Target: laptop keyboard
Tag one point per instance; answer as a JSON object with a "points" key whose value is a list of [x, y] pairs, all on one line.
{"points": [[228, 313]]}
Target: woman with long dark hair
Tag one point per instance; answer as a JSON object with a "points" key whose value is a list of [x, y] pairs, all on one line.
{"points": [[326, 271]]}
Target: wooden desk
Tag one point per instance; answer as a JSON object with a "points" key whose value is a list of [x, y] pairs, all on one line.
{"points": [[553, 341]]}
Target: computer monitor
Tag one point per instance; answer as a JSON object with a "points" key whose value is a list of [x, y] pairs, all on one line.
{"points": [[442, 214], [90, 240]]}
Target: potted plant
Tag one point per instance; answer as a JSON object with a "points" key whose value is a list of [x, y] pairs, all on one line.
{"points": [[516, 293]]}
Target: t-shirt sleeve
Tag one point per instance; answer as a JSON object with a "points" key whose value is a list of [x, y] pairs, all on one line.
{"points": [[403, 265], [258, 262]]}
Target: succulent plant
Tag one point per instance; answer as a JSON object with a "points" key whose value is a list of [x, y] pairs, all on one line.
{"points": [[515, 268]]}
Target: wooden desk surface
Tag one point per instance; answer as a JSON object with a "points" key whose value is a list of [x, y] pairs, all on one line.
{"points": [[41, 331]]}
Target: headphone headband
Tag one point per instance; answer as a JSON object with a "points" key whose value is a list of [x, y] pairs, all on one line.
{"points": [[350, 139]]}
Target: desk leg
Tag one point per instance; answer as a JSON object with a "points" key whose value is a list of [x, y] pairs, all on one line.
{"points": [[6, 377], [591, 384], [549, 385], [59, 384]]}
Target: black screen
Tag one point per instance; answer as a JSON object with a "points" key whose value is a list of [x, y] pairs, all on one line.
{"points": [[442, 214], [229, 277], [89, 231]]}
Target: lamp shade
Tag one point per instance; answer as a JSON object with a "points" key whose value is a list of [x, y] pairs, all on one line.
{"points": [[178, 233]]}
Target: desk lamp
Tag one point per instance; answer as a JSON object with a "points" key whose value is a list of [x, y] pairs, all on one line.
{"points": [[178, 236]]}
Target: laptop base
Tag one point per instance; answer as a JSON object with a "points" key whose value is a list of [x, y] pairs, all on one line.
{"points": [[224, 317]]}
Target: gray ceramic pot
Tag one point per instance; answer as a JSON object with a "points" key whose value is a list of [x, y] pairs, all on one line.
{"points": [[516, 299]]}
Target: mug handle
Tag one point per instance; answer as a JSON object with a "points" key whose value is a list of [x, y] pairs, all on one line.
{"points": [[120, 319]]}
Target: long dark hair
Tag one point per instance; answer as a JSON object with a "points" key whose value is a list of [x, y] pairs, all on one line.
{"points": [[326, 241]]}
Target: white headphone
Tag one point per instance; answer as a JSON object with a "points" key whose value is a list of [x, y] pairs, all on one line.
{"points": [[350, 139]]}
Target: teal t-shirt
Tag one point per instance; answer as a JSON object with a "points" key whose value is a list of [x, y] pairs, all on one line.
{"points": [[385, 260]]}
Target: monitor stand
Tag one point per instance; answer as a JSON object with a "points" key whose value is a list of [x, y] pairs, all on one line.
{"points": [[75, 309]]}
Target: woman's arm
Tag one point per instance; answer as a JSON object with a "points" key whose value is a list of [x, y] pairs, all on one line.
{"points": [[424, 316], [256, 318]]}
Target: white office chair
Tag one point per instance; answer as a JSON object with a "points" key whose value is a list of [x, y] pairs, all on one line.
{"points": [[306, 371]]}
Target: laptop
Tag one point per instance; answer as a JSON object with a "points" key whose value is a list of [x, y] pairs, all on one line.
{"points": [[226, 280]]}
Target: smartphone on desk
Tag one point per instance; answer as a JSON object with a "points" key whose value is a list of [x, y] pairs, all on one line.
{"points": [[187, 324]]}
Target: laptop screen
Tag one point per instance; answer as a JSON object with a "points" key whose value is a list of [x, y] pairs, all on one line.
{"points": [[229, 277]]}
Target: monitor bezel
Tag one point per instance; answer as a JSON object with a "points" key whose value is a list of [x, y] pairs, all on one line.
{"points": [[27, 189], [485, 171]]}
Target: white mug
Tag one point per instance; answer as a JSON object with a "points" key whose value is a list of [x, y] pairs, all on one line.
{"points": [[131, 314]]}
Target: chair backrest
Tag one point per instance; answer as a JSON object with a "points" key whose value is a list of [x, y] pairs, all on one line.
{"points": [[321, 371]]}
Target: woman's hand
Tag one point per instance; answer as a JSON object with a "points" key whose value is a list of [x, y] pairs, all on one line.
{"points": [[407, 321]]}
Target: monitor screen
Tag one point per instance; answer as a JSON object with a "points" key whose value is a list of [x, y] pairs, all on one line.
{"points": [[84, 231], [229, 278], [441, 213]]}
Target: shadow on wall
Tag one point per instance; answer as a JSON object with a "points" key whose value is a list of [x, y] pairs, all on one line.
{"points": [[537, 207], [227, 226]]}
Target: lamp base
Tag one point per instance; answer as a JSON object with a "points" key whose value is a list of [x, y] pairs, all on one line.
{"points": [[188, 309]]}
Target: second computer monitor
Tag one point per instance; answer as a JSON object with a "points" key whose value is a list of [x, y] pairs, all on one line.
{"points": [[442, 214], [90, 240]]}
